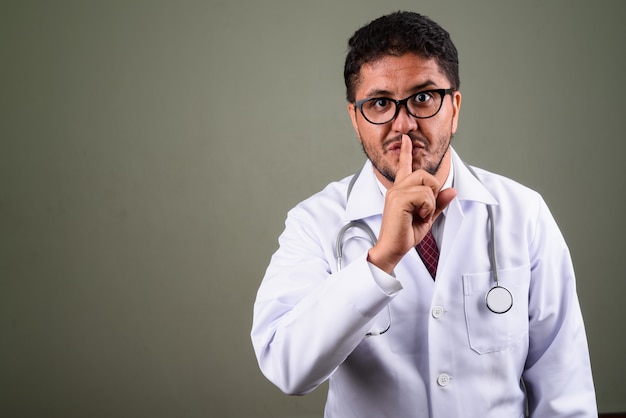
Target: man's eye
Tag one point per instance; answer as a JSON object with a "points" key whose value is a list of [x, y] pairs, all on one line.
{"points": [[378, 105], [381, 103], [423, 97]]}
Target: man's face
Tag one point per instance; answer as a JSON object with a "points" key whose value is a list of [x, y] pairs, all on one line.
{"points": [[397, 78]]}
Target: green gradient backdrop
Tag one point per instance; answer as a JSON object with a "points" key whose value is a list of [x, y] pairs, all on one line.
{"points": [[149, 151]]}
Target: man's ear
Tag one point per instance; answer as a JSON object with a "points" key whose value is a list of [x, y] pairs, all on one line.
{"points": [[456, 108], [352, 113]]}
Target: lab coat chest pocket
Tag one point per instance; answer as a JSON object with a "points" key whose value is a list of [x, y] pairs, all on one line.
{"points": [[490, 332]]}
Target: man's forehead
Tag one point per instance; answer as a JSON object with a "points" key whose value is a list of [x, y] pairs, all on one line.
{"points": [[393, 73]]}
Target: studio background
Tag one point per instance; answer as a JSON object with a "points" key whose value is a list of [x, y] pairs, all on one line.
{"points": [[149, 152]]}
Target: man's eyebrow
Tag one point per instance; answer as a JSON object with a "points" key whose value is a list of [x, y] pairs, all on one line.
{"points": [[379, 93], [386, 93], [428, 84]]}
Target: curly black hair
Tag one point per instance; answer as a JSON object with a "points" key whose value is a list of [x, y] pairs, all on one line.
{"points": [[397, 34]]}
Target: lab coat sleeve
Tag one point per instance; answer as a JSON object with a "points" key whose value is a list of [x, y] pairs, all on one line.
{"points": [[558, 372], [307, 320]]}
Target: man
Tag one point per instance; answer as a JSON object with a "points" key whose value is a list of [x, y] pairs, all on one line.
{"points": [[493, 329]]}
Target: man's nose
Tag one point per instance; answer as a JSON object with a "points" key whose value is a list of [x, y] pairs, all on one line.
{"points": [[404, 122]]}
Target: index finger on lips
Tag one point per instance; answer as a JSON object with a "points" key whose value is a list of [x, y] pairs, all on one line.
{"points": [[405, 162]]}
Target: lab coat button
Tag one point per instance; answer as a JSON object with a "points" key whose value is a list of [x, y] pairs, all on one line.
{"points": [[443, 380], [437, 312]]}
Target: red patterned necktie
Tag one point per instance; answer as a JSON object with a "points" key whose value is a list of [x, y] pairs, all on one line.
{"points": [[428, 251]]}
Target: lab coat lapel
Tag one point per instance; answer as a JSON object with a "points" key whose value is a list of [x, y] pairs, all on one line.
{"points": [[454, 219], [469, 191]]}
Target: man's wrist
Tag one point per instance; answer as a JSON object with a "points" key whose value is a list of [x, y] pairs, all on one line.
{"points": [[381, 262]]}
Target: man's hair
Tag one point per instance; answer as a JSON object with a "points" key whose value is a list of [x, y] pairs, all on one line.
{"points": [[397, 34]]}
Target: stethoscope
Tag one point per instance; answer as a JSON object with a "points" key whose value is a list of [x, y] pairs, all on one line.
{"points": [[498, 299]]}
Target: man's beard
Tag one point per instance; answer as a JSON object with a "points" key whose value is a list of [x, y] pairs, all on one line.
{"points": [[431, 168]]}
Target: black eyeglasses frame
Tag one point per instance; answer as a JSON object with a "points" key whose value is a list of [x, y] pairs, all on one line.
{"points": [[442, 92]]}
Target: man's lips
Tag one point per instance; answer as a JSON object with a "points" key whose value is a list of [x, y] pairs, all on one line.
{"points": [[396, 145]]}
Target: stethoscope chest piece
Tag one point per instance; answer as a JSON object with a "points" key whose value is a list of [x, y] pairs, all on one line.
{"points": [[499, 300]]}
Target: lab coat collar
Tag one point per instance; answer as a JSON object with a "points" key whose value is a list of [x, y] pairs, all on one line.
{"points": [[366, 199], [468, 187]]}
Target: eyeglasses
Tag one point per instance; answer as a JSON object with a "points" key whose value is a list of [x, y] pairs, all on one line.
{"points": [[422, 105]]}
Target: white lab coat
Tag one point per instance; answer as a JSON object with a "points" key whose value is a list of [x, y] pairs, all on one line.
{"points": [[446, 355]]}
